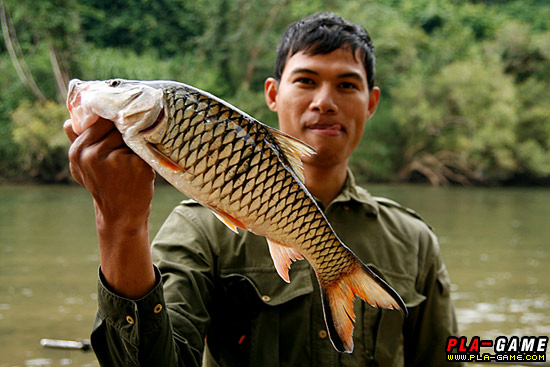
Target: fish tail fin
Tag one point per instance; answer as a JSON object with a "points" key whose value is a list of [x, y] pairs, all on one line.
{"points": [[338, 298]]}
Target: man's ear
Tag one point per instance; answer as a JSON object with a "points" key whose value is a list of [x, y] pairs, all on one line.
{"points": [[374, 98], [270, 91]]}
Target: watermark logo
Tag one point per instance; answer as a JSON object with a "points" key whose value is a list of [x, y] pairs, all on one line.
{"points": [[501, 349]]}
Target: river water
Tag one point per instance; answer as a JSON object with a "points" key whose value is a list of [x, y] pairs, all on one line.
{"points": [[495, 243]]}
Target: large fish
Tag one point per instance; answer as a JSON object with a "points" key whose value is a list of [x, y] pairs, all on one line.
{"points": [[249, 174]]}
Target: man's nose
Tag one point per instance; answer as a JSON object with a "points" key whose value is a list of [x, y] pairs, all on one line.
{"points": [[324, 100]]}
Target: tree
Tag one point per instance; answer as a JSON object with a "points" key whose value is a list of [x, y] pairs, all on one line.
{"points": [[460, 124], [526, 58]]}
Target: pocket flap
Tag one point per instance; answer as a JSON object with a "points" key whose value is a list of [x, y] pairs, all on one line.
{"points": [[403, 284], [273, 290]]}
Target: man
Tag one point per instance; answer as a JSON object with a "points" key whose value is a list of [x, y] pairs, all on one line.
{"points": [[214, 297]]}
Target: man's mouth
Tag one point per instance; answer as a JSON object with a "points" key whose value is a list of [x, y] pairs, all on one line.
{"points": [[327, 129]]}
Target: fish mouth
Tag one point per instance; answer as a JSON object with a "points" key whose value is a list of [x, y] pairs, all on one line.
{"points": [[73, 94], [81, 116]]}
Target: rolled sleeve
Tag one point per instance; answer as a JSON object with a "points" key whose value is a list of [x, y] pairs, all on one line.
{"points": [[133, 332]]}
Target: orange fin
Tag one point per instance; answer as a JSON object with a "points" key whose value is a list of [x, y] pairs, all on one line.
{"points": [[164, 160], [293, 148], [338, 300], [283, 256], [228, 220]]}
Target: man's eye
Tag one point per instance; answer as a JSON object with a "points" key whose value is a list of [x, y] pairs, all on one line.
{"points": [[306, 81], [348, 85]]}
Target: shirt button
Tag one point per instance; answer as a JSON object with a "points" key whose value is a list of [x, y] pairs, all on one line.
{"points": [[157, 308], [322, 334], [130, 320], [346, 207], [266, 298]]}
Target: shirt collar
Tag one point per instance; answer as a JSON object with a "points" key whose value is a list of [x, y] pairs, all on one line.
{"points": [[352, 192]]}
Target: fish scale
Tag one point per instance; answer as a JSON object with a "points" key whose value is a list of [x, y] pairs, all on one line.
{"points": [[248, 174]]}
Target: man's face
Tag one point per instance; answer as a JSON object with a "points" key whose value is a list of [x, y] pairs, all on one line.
{"points": [[323, 100]]}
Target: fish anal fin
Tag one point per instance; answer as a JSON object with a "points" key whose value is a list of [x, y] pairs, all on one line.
{"points": [[293, 149], [283, 256], [338, 298], [231, 222]]}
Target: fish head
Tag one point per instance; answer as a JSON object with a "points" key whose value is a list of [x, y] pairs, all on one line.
{"points": [[132, 105]]}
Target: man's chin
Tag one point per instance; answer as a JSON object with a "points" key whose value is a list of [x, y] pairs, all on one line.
{"points": [[323, 159]]}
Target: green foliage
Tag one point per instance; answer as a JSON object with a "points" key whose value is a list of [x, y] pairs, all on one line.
{"points": [[45, 26], [465, 84], [533, 131], [375, 158], [534, 13], [10, 95], [45, 21], [41, 140], [167, 27]]}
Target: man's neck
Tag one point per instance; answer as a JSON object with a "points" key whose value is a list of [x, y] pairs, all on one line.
{"points": [[325, 183]]}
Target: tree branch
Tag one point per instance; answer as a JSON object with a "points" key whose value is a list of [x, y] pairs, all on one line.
{"points": [[60, 76], [19, 64], [275, 10]]}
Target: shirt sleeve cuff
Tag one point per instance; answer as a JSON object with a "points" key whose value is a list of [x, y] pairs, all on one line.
{"points": [[145, 315]]}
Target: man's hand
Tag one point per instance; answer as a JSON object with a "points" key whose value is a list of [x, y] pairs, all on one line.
{"points": [[121, 184]]}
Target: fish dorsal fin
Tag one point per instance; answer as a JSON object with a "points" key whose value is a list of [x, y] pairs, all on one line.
{"points": [[292, 149], [283, 256], [228, 220]]}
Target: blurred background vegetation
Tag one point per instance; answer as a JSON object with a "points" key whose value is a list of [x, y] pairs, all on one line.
{"points": [[465, 84]]}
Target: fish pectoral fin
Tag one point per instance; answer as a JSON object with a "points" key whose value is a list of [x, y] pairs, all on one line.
{"points": [[283, 256], [164, 160], [292, 149], [228, 220]]}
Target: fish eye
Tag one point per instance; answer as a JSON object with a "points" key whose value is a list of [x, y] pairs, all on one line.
{"points": [[114, 83]]}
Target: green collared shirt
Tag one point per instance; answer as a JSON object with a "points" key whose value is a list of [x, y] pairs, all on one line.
{"points": [[220, 302]]}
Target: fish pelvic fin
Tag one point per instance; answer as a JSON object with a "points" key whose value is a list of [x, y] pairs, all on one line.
{"points": [[293, 149], [338, 298], [231, 222], [283, 256]]}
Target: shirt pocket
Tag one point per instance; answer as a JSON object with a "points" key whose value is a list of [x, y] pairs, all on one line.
{"points": [[256, 305], [382, 328]]}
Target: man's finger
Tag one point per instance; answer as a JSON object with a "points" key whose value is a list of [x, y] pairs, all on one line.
{"points": [[97, 131], [68, 127], [75, 172], [113, 140], [85, 144]]}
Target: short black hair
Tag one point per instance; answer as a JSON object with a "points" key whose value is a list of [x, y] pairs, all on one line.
{"points": [[322, 33]]}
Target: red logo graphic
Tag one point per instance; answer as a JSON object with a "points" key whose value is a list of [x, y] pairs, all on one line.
{"points": [[525, 349]]}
